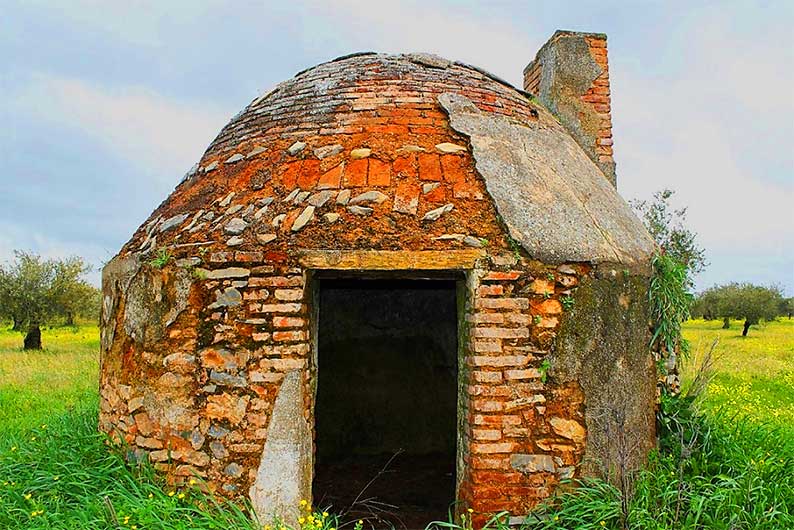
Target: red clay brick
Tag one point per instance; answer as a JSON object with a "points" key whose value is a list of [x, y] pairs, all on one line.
{"points": [[279, 308], [331, 178], [309, 174], [453, 168], [437, 196], [289, 295], [487, 377], [487, 435], [490, 290], [496, 275], [379, 173], [288, 322], [498, 360], [276, 281], [356, 173], [491, 448], [429, 167], [289, 336], [406, 197], [501, 333], [502, 303], [406, 166], [247, 257]]}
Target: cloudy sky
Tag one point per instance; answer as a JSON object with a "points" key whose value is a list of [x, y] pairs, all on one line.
{"points": [[105, 105]]}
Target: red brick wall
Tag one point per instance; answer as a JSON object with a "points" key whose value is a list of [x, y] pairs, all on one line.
{"points": [[514, 455], [598, 97]]}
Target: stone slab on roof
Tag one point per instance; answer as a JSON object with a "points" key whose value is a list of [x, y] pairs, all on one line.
{"points": [[552, 198]]}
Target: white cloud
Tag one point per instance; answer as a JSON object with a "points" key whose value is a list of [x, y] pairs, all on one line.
{"points": [[717, 130], [159, 135], [16, 237], [483, 38], [140, 23]]}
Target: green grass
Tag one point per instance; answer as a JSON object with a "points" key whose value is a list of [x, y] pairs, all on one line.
{"points": [[754, 376], [36, 386], [57, 473]]}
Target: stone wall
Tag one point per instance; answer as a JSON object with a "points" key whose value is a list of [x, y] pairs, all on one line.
{"points": [[199, 400], [523, 433], [209, 352]]}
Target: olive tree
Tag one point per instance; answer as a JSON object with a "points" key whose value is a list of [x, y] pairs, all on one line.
{"points": [[35, 291], [667, 227], [743, 301], [787, 307]]}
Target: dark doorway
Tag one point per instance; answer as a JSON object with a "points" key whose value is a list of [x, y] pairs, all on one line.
{"points": [[386, 409]]}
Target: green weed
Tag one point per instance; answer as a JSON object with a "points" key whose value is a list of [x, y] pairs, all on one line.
{"points": [[162, 258]]}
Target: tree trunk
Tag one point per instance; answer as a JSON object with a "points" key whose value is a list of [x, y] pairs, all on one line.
{"points": [[17, 324], [726, 323], [33, 338], [746, 328], [69, 318]]}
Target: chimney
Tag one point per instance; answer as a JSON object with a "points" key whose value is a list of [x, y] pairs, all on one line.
{"points": [[570, 76]]}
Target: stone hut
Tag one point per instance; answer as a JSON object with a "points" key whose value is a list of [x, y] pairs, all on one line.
{"points": [[399, 263]]}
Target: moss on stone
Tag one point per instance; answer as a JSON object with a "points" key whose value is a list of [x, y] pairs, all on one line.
{"points": [[603, 344]]}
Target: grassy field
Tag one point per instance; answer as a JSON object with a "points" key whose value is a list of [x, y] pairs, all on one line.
{"points": [[37, 386], [754, 375], [57, 473]]}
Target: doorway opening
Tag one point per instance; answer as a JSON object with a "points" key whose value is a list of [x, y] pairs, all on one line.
{"points": [[386, 406]]}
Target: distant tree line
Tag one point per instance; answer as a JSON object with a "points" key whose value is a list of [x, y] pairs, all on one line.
{"points": [[738, 301], [35, 291], [742, 301]]}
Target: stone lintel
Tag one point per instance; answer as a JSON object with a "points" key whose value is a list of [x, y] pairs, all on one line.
{"points": [[390, 260]]}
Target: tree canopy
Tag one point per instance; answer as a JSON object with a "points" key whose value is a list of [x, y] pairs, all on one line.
{"points": [[35, 291], [743, 301], [667, 227]]}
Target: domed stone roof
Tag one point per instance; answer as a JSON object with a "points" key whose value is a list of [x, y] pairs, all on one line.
{"points": [[408, 147]]}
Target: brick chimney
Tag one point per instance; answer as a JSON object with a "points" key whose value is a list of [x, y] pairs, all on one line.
{"points": [[570, 76]]}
